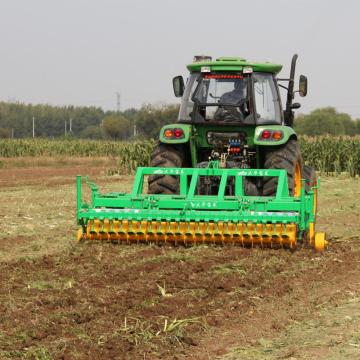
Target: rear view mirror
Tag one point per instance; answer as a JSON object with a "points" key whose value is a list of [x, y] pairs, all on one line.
{"points": [[178, 85], [302, 85]]}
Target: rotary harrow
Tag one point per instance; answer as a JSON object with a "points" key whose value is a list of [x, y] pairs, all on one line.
{"points": [[228, 171]]}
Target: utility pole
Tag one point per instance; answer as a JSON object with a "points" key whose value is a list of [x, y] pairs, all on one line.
{"points": [[65, 127], [134, 130], [70, 129], [118, 97], [33, 126], [12, 133]]}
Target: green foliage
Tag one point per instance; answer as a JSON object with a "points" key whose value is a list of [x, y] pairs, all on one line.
{"points": [[129, 155], [38, 353], [329, 154], [92, 132], [86, 121], [326, 121], [332, 154], [116, 127], [150, 119], [49, 120], [5, 133]]}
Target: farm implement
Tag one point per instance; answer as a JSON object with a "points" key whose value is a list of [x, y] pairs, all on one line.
{"points": [[228, 172], [278, 221]]}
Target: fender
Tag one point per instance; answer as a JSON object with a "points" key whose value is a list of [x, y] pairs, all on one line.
{"points": [[287, 134], [186, 133]]}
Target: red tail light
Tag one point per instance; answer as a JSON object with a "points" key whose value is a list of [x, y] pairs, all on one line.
{"points": [[174, 133], [178, 133], [273, 135], [266, 134]]}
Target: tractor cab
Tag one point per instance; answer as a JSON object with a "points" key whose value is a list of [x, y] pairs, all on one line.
{"points": [[250, 98], [231, 91]]}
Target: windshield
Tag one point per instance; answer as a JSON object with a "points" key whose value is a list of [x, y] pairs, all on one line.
{"points": [[267, 99], [228, 97]]}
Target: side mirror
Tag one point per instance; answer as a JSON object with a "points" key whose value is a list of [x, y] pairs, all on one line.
{"points": [[178, 85], [302, 85], [295, 106]]}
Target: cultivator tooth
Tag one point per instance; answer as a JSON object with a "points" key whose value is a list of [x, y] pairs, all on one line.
{"points": [[192, 232]]}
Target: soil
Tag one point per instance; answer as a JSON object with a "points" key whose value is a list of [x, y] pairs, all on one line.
{"points": [[48, 171], [46, 175], [105, 301]]}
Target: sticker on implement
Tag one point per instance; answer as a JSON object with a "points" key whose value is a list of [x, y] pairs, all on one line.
{"points": [[168, 171], [126, 211], [203, 204], [249, 172], [273, 213]]}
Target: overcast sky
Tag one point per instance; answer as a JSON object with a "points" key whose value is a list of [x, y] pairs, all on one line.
{"points": [[82, 52]]}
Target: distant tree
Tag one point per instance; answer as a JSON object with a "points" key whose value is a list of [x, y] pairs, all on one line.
{"points": [[150, 119], [49, 120], [116, 127], [92, 132], [5, 133], [326, 121], [357, 125]]}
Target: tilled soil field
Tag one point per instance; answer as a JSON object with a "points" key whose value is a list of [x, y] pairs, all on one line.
{"points": [[60, 299]]}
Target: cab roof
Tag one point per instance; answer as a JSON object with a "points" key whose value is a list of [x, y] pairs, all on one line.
{"points": [[233, 64]]}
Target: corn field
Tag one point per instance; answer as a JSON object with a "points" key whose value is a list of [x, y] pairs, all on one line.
{"points": [[328, 154], [129, 155]]}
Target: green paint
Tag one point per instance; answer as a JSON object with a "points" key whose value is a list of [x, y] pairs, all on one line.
{"points": [[184, 127], [188, 206], [234, 64], [287, 133], [193, 150]]}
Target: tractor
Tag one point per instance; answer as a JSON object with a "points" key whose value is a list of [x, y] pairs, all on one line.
{"points": [[228, 171], [231, 112]]}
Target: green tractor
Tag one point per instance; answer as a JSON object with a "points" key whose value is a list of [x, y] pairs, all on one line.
{"points": [[231, 112], [228, 172]]}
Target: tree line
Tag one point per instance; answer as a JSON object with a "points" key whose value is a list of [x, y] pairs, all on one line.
{"points": [[326, 121], [17, 119]]}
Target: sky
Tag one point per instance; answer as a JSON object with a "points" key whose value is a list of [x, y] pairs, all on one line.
{"points": [[82, 52]]}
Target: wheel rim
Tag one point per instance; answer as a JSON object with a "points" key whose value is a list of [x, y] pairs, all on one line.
{"points": [[297, 180]]}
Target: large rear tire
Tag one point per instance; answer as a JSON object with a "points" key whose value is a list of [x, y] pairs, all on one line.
{"points": [[287, 157], [165, 155], [310, 177]]}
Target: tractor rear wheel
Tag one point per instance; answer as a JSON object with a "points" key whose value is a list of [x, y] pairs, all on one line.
{"points": [[287, 157], [165, 155], [310, 177]]}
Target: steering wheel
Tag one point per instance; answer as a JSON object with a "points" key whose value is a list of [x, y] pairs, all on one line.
{"points": [[224, 113]]}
